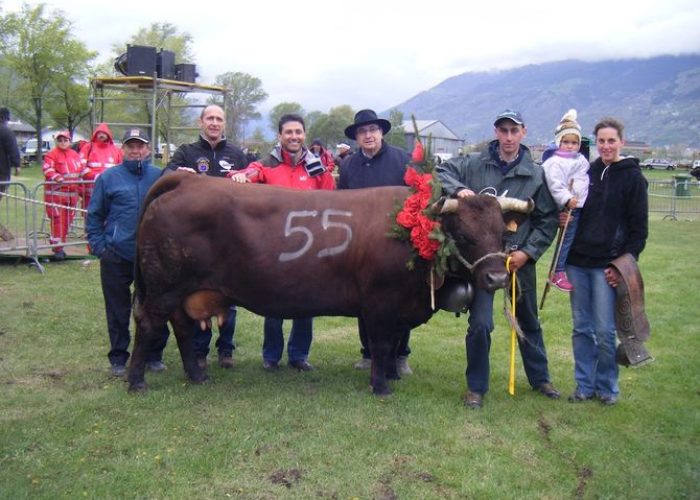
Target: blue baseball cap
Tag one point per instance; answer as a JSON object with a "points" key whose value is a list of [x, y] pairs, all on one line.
{"points": [[511, 115]]}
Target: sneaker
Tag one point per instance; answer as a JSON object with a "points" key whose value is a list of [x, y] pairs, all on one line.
{"points": [[560, 281], [608, 400], [155, 366], [225, 360], [270, 366], [301, 365], [363, 364], [578, 397], [473, 400], [548, 390], [402, 366], [118, 371]]}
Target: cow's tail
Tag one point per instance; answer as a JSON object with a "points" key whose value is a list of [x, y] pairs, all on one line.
{"points": [[167, 183]]}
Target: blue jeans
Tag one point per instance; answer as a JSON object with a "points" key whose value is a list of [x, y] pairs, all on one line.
{"points": [[299, 342], [481, 325], [593, 339], [567, 240], [224, 344]]}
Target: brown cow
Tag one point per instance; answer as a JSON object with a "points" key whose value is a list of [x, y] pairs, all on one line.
{"points": [[206, 243]]}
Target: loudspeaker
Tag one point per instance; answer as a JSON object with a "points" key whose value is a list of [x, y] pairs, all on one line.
{"points": [[165, 65], [140, 60], [186, 72]]}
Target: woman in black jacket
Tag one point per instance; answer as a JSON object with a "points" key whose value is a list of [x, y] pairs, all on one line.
{"points": [[614, 221]]}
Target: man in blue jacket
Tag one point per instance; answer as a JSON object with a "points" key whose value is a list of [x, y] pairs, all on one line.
{"points": [[112, 220]]}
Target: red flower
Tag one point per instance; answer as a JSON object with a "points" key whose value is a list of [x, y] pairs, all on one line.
{"points": [[412, 216], [418, 154]]}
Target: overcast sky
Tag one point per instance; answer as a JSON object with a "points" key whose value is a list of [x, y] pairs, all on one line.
{"points": [[377, 53]]}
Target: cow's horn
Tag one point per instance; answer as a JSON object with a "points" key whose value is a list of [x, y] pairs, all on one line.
{"points": [[449, 206], [515, 205]]}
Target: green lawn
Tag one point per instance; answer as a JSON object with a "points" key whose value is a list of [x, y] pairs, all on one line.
{"points": [[68, 430]]}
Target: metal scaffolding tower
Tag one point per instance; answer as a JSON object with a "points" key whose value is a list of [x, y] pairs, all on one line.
{"points": [[157, 93]]}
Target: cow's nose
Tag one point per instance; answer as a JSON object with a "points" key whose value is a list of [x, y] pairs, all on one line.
{"points": [[496, 280]]}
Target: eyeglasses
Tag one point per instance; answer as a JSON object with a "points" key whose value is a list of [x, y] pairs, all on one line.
{"points": [[367, 130]]}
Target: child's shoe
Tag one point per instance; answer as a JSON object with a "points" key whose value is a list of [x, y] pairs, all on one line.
{"points": [[560, 281]]}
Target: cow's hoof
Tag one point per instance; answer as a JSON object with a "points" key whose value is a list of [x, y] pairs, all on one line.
{"points": [[199, 378], [138, 386], [381, 391]]}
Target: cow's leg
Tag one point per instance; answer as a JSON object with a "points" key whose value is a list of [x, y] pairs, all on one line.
{"points": [[383, 349], [183, 327], [149, 328]]}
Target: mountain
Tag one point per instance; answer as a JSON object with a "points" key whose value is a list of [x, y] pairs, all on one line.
{"points": [[657, 99]]}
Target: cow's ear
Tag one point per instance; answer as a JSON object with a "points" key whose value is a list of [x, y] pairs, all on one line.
{"points": [[513, 220]]}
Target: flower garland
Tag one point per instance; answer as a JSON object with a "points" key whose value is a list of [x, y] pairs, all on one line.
{"points": [[416, 222]]}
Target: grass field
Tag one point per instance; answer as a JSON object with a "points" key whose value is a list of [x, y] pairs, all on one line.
{"points": [[68, 430]]}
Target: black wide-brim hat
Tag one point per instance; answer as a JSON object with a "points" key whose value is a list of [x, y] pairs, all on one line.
{"points": [[366, 117]]}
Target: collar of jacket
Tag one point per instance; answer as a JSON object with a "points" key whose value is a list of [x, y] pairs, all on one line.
{"points": [[136, 166], [379, 153], [281, 156], [205, 143], [525, 166]]}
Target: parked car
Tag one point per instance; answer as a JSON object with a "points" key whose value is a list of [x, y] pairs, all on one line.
{"points": [[695, 169], [28, 151], [659, 163]]}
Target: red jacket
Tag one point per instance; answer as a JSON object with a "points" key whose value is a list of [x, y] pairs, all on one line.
{"points": [[98, 156], [62, 165], [277, 169]]}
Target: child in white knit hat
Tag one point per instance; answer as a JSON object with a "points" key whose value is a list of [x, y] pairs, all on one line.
{"points": [[566, 172]]}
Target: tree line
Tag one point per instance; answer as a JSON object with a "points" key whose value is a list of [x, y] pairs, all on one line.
{"points": [[45, 74]]}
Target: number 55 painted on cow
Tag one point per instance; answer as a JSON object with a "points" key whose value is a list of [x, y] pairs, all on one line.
{"points": [[326, 223]]}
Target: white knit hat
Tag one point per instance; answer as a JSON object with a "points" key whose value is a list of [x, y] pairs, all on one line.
{"points": [[567, 125]]}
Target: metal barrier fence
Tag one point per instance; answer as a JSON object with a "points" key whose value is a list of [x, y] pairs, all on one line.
{"points": [[25, 225], [674, 198], [33, 223]]}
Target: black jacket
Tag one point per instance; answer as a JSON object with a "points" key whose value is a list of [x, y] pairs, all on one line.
{"points": [[204, 159], [386, 168], [9, 153], [614, 220]]}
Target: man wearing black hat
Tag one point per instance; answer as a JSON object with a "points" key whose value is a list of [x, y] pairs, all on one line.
{"points": [[112, 220], [507, 166], [376, 164], [9, 157]]}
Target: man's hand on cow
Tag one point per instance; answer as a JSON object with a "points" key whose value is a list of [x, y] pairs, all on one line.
{"points": [[518, 259], [612, 276], [242, 178], [464, 193], [186, 169]]}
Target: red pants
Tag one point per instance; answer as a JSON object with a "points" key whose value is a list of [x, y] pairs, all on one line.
{"points": [[62, 216]]}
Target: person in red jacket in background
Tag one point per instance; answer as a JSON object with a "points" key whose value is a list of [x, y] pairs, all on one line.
{"points": [[291, 165], [97, 156], [325, 155], [62, 170]]}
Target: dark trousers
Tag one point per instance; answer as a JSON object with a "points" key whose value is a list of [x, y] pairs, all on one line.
{"points": [[224, 344], [404, 349], [481, 325], [298, 345], [117, 275]]}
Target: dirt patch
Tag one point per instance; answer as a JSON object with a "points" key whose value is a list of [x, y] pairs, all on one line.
{"points": [[544, 427], [583, 475], [286, 477]]}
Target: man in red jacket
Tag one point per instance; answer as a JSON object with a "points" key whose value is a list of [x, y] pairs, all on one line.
{"points": [[291, 165], [61, 171], [97, 156]]}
